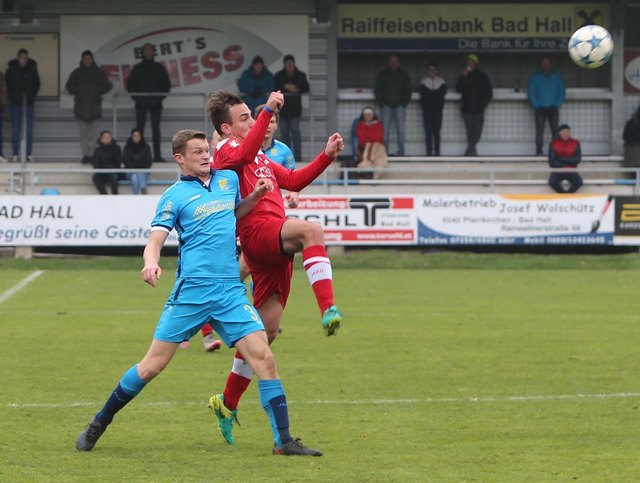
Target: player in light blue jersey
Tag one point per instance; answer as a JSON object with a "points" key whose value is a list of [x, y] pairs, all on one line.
{"points": [[202, 207]]}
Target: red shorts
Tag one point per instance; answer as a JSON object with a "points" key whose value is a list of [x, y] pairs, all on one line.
{"points": [[270, 269]]}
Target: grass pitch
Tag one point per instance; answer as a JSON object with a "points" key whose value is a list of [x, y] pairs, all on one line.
{"points": [[449, 367]]}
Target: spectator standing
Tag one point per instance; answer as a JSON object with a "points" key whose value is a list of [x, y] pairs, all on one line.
{"points": [[565, 152], [149, 76], [106, 156], [22, 81], [631, 138], [3, 101], [546, 93], [88, 83], [393, 93], [371, 149], [256, 83], [137, 155], [432, 91], [292, 82], [476, 91]]}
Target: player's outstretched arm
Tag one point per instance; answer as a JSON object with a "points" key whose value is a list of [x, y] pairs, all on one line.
{"points": [[151, 271], [298, 179], [263, 186]]}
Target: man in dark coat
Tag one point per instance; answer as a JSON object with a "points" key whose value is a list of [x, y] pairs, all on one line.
{"points": [[292, 82], [23, 82], [393, 93], [87, 83], [476, 90], [149, 76]]}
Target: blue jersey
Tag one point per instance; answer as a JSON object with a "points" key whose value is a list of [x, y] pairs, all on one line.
{"points": [[204, 218], [281, 154]]}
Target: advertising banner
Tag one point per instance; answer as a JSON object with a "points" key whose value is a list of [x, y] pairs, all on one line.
{"points": [[515, 220], [125, 220], [627, 220], [361, 220], [377, 220], [201, 53], [464, 26]]}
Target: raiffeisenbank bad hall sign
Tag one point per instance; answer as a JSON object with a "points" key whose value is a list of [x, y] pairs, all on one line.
{"points": [[489, 26]]}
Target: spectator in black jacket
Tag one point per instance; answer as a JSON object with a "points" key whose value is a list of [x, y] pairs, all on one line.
{"points": [[106, 156], [631, 138], [137, 155], [3, 100], [432, 92], [23, 82], [149, 76], [476, 90], [87, 83], [292, 82]]}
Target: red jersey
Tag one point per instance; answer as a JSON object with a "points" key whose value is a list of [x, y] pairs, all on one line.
{"points": [[250, 163]]}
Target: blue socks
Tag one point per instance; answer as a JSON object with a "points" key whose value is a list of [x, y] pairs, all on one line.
{"points": [[130, 385], [274, 403]]}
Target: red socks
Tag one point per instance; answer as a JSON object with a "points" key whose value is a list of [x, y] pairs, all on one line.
{"points": [[318, 267], [237, 382]]}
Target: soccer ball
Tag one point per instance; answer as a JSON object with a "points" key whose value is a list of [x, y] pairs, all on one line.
{"points": [[591, 46]]}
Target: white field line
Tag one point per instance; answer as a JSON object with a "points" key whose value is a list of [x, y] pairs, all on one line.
{"points": [[10, 292], [364, 402]]}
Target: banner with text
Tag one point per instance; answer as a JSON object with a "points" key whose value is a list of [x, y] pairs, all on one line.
{"points": [[515, 220], [437, 220], [125, 220], [464, 26], [201, 53]]}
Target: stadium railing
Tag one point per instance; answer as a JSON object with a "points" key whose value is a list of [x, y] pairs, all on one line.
{"points": [[124, 94], [30, 179]]}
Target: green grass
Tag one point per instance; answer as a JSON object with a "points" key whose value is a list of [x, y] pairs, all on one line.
{"points": [[454, 367]]}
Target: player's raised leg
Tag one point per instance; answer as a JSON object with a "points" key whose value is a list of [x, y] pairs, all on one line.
{"points": [[308, 237], [132, 382]]}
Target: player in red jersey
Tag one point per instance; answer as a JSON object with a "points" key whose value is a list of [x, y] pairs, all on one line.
{"points": [[268, 238]]}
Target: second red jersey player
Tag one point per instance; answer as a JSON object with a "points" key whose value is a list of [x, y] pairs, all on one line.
{"points": [[269, 239]]}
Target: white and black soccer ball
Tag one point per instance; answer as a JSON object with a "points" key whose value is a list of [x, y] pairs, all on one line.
{"points": [[591, 46]]}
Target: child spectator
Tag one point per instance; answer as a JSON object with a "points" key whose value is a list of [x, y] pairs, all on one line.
{"points": [[106, 156], [372, 152], [137, 155], [432, 92]]}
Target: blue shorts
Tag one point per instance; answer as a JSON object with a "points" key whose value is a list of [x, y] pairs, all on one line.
{"points": [[195, 302]]}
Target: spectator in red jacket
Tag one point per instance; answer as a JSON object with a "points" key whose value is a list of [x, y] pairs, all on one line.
{"points": [[372, 152], [564, 152]]}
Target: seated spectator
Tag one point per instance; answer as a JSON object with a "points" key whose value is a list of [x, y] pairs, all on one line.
{"points": [[564, 152], [372, 152], [137, 155], [106, 156], [631, 137]]}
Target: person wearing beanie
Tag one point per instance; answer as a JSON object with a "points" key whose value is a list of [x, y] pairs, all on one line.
{"points": [[256, 83], [476, 93], [565, 153], [87, 84], [292, 82]]}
